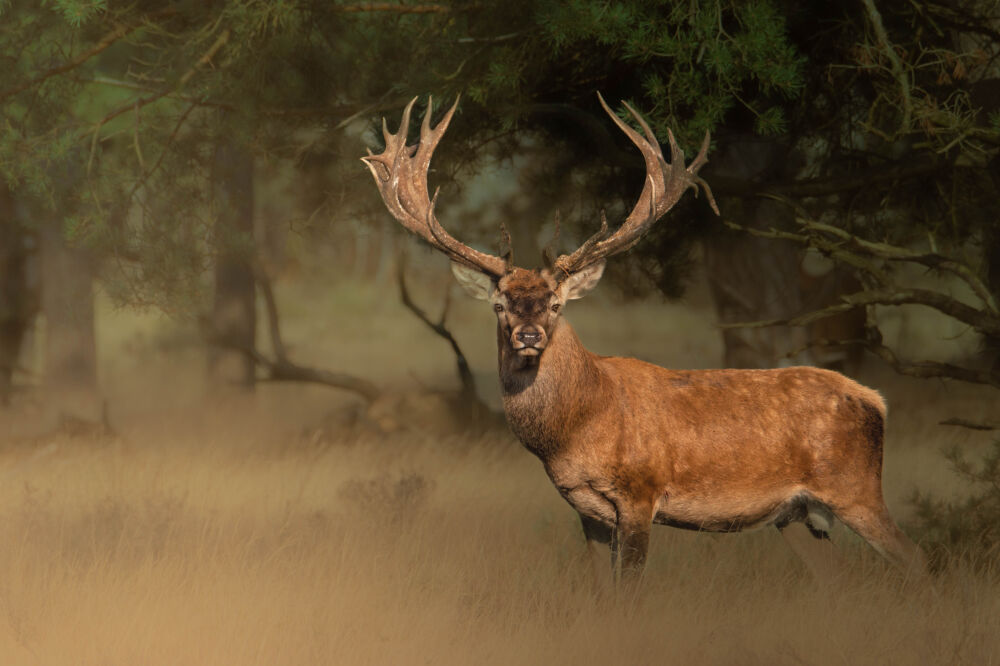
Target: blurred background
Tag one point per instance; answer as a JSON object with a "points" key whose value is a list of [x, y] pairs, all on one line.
{"points": [[203, 295]]}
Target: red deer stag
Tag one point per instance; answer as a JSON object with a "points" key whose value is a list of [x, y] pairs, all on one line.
{"points": [[628, 443]]}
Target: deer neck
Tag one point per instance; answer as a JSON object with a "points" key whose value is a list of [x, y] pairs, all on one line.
{"points": [[546, 399]]}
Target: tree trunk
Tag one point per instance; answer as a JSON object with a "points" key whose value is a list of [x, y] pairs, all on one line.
{"points": [[70, 376], [754, 278], [233, 318], [991, 252], [18, 300]]}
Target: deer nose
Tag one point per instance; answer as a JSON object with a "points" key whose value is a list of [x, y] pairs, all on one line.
{"points": [[529, 337]]}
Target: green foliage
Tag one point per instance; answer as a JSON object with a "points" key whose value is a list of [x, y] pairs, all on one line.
{"points": [[130, 125], [79, 12], [684, 64], [969, 527], [109, 107], [110, 112]]}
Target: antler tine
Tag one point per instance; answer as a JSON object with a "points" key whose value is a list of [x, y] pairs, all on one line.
{"points": [[400, 173], [429, 137], [664, 186], [404, 123], [506, 247], [650, 137], [700, 160]]}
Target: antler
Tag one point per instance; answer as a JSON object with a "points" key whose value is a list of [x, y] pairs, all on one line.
{"points": [[665, 184], [401, 176]]}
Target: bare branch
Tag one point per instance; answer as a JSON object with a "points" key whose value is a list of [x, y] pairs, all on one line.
{"points": [[869, 258], [894, 253], [833, 250], [924, 369], [280, 368], [982, 322], [972, 425], [135, 141], [918, 369], [859, 253], [271, 309], [933, 369], [464, 373], [286, 371]]}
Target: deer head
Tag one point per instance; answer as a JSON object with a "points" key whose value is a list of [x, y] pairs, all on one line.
{"points": [[528, 303]]}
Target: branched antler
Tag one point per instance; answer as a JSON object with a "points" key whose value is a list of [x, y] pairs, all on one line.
{"points": [[400, 172], [665, 185]]}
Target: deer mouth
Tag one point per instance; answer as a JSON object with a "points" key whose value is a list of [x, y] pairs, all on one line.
{"points": [[528, 351], [528, 347]]}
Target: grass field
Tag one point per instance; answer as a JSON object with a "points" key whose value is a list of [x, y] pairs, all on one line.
{"points": [[224, 534]]}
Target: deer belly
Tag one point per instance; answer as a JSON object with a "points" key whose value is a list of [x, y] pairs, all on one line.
{"points": [[721, 514]]}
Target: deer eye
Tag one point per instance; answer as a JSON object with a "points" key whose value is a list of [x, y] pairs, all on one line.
{"points": [[498, 307], [556, 306]]}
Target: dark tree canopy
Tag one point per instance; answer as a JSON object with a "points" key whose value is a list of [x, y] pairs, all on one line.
{"points": [[880, 118]]}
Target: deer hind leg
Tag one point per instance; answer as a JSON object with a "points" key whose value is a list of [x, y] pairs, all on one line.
{"points": [[805, 528], [816, 552], [873, 523]]}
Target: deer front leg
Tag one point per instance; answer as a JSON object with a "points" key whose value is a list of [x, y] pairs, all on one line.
{"points": [[630, 542]]}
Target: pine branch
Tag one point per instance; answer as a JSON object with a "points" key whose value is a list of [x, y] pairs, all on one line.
{"points": [[105, 42], [392, 7], [149, 99], [902, 77]]}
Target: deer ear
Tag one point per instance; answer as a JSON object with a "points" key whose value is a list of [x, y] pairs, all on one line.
{"points": [[579, 283], [478, 285]]}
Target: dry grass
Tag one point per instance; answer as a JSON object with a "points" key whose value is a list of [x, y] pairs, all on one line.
{"points": [[202, 550], [223, 537]]}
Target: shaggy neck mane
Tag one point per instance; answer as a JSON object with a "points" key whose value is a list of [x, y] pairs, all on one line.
{"points": [[546, 398]]}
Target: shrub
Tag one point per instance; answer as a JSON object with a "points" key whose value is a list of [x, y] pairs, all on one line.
{"points": [[969, 527]]}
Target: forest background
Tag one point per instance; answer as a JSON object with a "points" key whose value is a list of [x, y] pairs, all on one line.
{"points": [[216, 366]]}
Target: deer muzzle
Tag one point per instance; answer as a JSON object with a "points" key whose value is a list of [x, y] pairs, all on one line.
{"points": [[528, 340]]}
